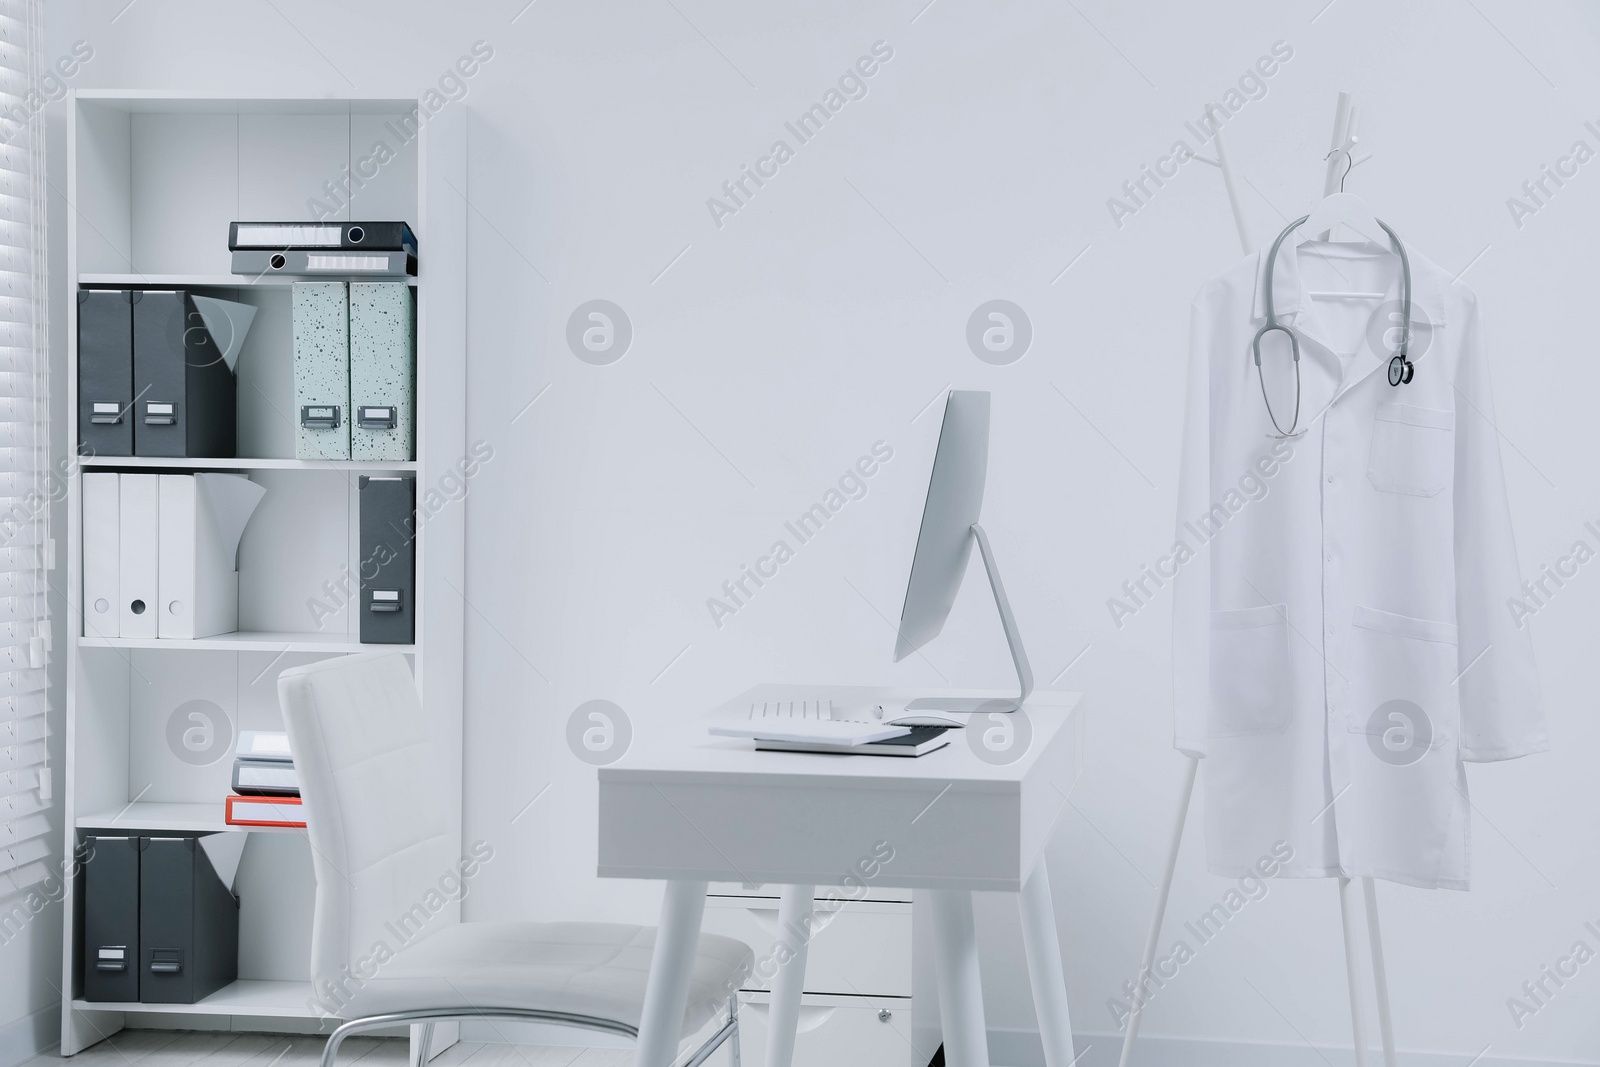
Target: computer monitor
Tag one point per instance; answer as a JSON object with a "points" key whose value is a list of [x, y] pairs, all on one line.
{"points": [[944, 544]]}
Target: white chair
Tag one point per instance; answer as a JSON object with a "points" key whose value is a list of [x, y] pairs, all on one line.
{"points": [[388, 946]]}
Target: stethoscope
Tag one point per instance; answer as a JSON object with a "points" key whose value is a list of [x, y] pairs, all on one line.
{"points": [[1401, 369]]}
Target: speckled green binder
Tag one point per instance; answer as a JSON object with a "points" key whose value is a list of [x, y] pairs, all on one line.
{"points": [[321, 370], [383, 373]]}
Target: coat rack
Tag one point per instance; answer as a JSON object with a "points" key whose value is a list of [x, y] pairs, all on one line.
{"points": [[1345, 119]]}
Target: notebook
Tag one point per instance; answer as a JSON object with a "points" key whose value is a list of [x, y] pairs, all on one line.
{"points": [[917, 741]]}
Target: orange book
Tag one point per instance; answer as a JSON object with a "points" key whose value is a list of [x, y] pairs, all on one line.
{"points": [[264, 811]]}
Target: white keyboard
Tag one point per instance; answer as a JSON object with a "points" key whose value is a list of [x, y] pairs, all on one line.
{"points": [[792, 709], [804, 720]]}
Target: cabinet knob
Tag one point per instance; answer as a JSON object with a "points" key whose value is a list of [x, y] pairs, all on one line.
{"points": [[884, 1015]]}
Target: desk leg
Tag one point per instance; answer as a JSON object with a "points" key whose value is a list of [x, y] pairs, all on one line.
{"points": [[666, 996], [794, 933], [955, 957], [1043, 948]]}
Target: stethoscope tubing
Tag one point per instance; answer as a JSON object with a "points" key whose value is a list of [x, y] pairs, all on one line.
{"points": [[1401, 359]]}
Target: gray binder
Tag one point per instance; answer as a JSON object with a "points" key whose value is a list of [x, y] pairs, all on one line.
{"points": [[105, 372], [388, 560], [188, 924], [187, 397], [111, 918]]}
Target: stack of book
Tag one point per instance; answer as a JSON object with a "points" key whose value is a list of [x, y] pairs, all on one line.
{"points": [[266, 788], [323, 249]]}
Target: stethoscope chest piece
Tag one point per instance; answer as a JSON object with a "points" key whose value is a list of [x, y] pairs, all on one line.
{"points": [[1401, 369]]}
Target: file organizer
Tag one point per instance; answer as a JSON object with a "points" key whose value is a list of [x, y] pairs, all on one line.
{"points": [[186, 396], [383, 381], [321, 323], [105, 372], [388, 560], [188, 923], [138, 561], [111, 918], [202, 517], [102, 521]]}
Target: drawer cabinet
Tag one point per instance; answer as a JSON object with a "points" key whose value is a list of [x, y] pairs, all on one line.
{"points": [[835, 1031], [857, 947]]}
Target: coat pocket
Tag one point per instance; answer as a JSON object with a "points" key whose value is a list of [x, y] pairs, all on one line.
{"points": [[1402, 691], [1250, 690], [1412, 450]]}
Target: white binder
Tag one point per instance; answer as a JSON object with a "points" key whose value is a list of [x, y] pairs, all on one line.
{"points": [[383, 376], [202, 518], [320, 316], [138, 529], [102, 614]]}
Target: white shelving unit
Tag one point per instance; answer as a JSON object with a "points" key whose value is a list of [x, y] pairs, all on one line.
{"points": [[153, 181]]}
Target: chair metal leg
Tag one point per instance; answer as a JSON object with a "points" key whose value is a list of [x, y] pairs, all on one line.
{"points": [[730, 1030], [330, 1051], [429, 1016], [424, 1044]]}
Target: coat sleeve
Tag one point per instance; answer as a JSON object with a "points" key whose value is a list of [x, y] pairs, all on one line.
{"points": [[1191, 591], [1501, 716]]}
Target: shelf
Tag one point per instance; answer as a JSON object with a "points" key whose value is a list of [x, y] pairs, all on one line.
{"points": [[278, 1000], [250, 641], [175, 818], [247, 464], [183, 101], [224, 281]]}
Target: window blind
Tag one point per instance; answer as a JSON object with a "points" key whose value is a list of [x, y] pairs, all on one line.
{"points": [[25, 483]]}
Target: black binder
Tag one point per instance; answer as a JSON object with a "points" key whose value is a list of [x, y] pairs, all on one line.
{"points": [[388, 560], [281, 236], [111, 918], [187, 397], [105, 372], [188, 924]]}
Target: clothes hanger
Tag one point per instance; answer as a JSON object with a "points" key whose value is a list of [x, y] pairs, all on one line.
{"points": [[1345, 209]]}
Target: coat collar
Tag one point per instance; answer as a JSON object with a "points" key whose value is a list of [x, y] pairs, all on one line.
{"points": [[1427, 282]]}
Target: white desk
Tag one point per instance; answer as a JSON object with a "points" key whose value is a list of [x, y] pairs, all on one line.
{"points": [[702, 809]]}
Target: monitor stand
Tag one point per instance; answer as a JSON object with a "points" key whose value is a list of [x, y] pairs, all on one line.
{"points": [[1013, 640]]}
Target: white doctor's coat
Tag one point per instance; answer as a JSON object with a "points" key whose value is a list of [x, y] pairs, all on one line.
{"points": [[1342, 637]]}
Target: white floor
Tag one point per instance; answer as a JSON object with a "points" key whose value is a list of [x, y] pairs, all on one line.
{"points": [[187, 1048]]}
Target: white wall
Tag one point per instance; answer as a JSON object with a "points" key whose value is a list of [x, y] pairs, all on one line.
{"points": [[831, 310]]}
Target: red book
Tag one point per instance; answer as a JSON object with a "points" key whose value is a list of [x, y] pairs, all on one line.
{"points": [[264, 811]]}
